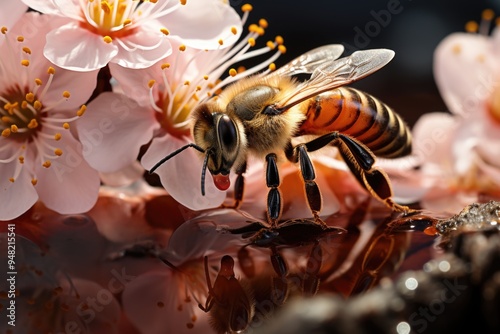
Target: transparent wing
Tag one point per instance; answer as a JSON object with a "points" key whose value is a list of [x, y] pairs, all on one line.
{"points": [[309, 61], [332, 74]]}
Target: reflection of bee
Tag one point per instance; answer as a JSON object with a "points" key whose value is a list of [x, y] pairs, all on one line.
{"points": [[260, 115]]}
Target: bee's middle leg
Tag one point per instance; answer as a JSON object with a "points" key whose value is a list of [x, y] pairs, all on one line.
{"points": [[299, 154], [274, 196], [239, 187]]}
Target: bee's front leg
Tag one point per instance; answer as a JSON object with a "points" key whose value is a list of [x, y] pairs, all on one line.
{"points": [[239, 187]]}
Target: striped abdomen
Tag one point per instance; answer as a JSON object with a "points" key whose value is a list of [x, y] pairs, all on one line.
{"points": [[361, 116]]}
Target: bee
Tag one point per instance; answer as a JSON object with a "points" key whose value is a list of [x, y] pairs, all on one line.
{"points": [[259, 116]]}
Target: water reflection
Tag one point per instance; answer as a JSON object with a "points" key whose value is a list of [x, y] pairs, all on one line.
{"points": [[144, 264]]}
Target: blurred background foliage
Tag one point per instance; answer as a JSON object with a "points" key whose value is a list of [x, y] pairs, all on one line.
{"points": [[412, 28]]}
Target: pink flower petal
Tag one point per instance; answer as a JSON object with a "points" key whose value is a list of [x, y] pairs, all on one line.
{"points": [[143, 49], [134, 82], [18, 196], [70, 185], [180, 176], [432, 137], [77, 49], [11, 12], [112, 131], [464, 70], [201, 24]]}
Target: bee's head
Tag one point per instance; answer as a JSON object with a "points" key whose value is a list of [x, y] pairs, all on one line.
{"points": [[222, 139]]}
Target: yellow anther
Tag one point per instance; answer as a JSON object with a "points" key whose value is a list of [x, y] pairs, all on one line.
{"points": [[165, 65], [198, 88], [11, 179], [279, 40], [4, 30], [6, 132], [33, 124], [6, 119], [221, 42], [37, 105], [153, 1], [105, 7], [27, 50], [51, 70], [107, 39], [183, 2], [165, 31], [81, 111], [241, 69], [205, 77], [58, 152], [253, 28], [272, 66], [232, 72], [282, 49], [151, 83], [234, 30], [47, 164], [251, 41], [21, 159], [196, 98], [25, 62], [14, 128], [182, 48], [270, 45], [38, 82], [24, 104], [127, 22], [34, 181], [471, 26], [66, 126], [186, 83], [488, 14], [263, 23], [246, 7], [30, 97], [66, 94], [20, 38], [57, 136]]}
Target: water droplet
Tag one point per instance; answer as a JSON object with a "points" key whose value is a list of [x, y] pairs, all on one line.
{"points": [[411, 283], [403, 327]]}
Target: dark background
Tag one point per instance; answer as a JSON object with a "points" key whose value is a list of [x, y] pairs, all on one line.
{"points": [[413, 31]]}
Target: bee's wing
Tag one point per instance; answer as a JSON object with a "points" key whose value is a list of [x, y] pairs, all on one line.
{"points": [[309, 61], [333, 74]]}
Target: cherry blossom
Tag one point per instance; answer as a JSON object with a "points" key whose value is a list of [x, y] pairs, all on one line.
{"points": [[129, 33], [39, 156], [458, 151]]}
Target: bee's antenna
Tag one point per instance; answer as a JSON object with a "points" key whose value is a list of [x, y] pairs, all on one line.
{"points": [[204, 171], [173, 154]]}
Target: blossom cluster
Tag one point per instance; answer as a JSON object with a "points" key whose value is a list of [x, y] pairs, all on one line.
{"points": [[95, 92]]}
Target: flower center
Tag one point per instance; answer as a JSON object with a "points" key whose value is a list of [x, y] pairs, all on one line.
{"points": [[20, 115], [119, 18]]}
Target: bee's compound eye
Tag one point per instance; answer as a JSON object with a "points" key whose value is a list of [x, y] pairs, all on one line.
{"points": [[228, 134]]}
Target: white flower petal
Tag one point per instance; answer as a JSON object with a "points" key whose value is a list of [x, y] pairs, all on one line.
{"points": [[465, 69], [69, 185], [77, 49], [202, 23], [180, 176], [42, 6], [113, 129], [142, 49]]}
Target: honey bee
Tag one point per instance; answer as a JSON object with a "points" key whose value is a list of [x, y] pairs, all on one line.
{"points": [[259, 116]]}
